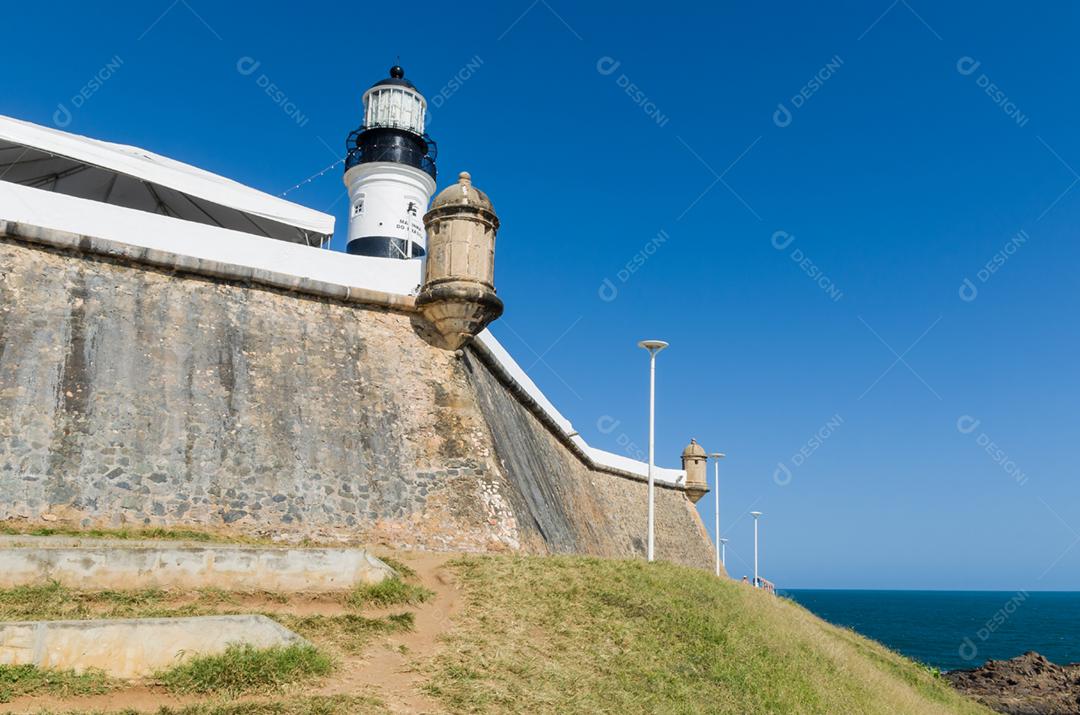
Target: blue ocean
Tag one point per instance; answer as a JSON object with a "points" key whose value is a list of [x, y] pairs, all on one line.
{"points": [[956, 629]]}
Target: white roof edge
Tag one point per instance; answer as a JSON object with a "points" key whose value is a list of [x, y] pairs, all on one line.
{"points": [[157, 169]]}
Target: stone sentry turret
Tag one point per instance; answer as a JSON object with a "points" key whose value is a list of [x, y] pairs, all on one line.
{"points": [[693, 461], [458, 294]]}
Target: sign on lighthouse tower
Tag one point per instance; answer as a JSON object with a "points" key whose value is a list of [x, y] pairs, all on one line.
{"points": [[390, 172]]}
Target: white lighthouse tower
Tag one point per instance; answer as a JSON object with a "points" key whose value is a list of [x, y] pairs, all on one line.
{"points": [[390, 172]]}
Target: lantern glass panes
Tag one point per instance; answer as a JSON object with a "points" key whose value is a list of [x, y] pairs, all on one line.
{"points": [[395, 107]]}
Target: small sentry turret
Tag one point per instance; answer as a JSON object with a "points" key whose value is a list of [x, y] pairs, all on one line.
{"points": [[693, 461], [458, 295]]}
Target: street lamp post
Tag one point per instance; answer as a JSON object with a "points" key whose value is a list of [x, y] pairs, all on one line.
{"points": [[653, 346], [723, 552], [716, 457], [756, 515]]}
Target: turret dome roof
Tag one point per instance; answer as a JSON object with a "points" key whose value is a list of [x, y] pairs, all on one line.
{"points": [[463, 194], [693, 449]]}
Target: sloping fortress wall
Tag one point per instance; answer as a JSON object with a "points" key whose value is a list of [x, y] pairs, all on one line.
{"points": [[131, 394]]}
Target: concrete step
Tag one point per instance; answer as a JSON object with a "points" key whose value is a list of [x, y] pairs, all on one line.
{"points": [[136, 647], [99, 564]]}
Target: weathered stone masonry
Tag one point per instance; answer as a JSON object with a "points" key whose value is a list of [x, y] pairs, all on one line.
{"points": [[134, 395]]}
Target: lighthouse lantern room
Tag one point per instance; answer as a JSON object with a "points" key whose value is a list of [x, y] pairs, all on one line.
{"points": [[390, 172]]}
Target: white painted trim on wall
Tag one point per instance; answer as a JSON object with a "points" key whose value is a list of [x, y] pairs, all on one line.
{"points": [[61, 212], [599, 456]]}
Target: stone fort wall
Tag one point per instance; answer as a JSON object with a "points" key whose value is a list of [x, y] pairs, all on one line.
{"points": [[134, 395]]}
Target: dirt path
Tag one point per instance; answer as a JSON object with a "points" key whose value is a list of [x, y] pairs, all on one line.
{"points": [[388, 669]]}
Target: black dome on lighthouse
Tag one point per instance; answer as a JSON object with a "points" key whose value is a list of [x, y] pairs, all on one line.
{"points": [[396, 78]]}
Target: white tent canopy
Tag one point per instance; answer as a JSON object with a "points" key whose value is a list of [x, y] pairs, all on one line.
{"points": [[53, 160]]}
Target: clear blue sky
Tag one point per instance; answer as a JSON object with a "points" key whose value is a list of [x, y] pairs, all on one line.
{"points": [[896, 173]]}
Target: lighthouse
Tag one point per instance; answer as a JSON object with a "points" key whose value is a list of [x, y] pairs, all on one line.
{"points": [[390, 172]]}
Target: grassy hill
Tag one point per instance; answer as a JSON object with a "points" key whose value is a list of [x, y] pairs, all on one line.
{"points": [[572, 634], [495, 634]]}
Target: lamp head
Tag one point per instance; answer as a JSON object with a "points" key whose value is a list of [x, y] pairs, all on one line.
{"points": [[755, 514], [653, 346], [717, 455], [723, 541]]}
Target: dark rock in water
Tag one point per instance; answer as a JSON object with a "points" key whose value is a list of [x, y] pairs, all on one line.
{"points": [[1026, 685]]}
